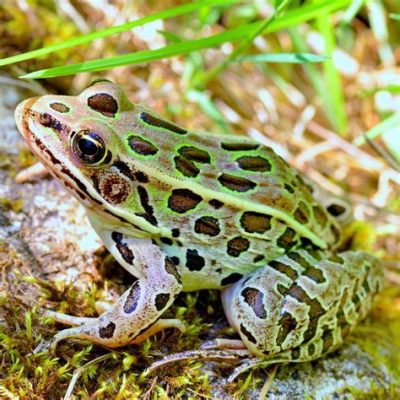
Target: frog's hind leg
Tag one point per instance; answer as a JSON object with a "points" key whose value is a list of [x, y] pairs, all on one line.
{"points": [[300, 306], [136, 314]]}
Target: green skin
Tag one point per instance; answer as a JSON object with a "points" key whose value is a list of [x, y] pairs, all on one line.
{"points": [[184, 211]]}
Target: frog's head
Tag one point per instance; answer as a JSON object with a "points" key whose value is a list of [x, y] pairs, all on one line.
{"points": [[74, 138]]}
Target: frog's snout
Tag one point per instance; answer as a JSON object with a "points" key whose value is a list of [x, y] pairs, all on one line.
{"points": [[21, 115]]}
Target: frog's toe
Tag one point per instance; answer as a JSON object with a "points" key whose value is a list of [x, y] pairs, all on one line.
{"points": [[228, 356], [221, 344], [67, 319], [248, 364]]}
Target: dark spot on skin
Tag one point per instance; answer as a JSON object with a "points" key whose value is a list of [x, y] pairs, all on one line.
{"points": [[336, 233], [124, 168], [247, 334], [315, 309], [255, 299], [207, 226], [175, 260], [237, 246], [335, 258], [282, 290], [108, 331], [183, 200], [194, 261], [327, 340], [59, 107], [301, 214], [232, 278], [236, 183], [194, 154], [365, 285], [113, 187], [289, 188], [175, 232], [287, 324], [258, 258], [256, 163], [107, 158], [306, 243], [216, 203], [144, 201], [142, 146], [295, 354], [297, 257], [159, 123], [320, 216], [240, 146], [286, 239], [117, 237], [336, 210], [186, 167], [124, 250], [253, 222], [161, 300], [103, 103], [284, 269], [50, 122], [315, 275], [132, 300], [141, 177], [311, 349], [170, 267], [166, 241]]}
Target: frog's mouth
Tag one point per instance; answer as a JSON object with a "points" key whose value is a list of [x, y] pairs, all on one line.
{"points": [[29, 123]]}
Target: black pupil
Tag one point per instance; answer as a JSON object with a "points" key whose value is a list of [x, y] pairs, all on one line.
{"points": [[88, 146]]}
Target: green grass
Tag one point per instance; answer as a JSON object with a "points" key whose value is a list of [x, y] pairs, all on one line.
{"points": [[291, 18]]}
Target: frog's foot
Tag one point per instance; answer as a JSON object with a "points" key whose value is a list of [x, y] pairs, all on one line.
{"points": [[224, 344], [228, 356], [136, 314]]}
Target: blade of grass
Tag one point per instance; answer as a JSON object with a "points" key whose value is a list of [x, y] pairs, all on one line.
{"points": [[248, 40], [395, 16], [291, 18], [387, 124], [293, 58], [332, 78], [165, 14]]}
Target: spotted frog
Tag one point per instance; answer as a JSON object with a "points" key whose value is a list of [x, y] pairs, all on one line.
{"points": [[184, 211]]}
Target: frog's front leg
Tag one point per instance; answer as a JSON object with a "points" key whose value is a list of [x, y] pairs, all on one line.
{"points": [[136, 313]]}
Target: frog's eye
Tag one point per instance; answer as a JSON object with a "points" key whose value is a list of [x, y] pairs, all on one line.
{"points": [[89, 147]]}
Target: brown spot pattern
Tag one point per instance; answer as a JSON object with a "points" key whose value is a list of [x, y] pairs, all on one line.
{"points": [[172, 270], [236, 183], [161, 300], [237, 246], [183, 200], [194, 154], [315, 274], [320, 216], [160, 123], [256, 163], [142, 146], [301, 214], [247, 334], [287, 324], [59, 107], [112, 186], [207, 226], [239, 146], [286, 239], [107, 332], [132, 300], [255, 299], [186, 167], [103, 103], [253, 222], [194, 261], [284, 269], [216, 204]]}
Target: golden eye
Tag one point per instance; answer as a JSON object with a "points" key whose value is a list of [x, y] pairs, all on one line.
{"points": [[89, 147]]}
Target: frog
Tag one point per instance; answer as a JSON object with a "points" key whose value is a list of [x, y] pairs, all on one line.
{"points": [[185, 211]]}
